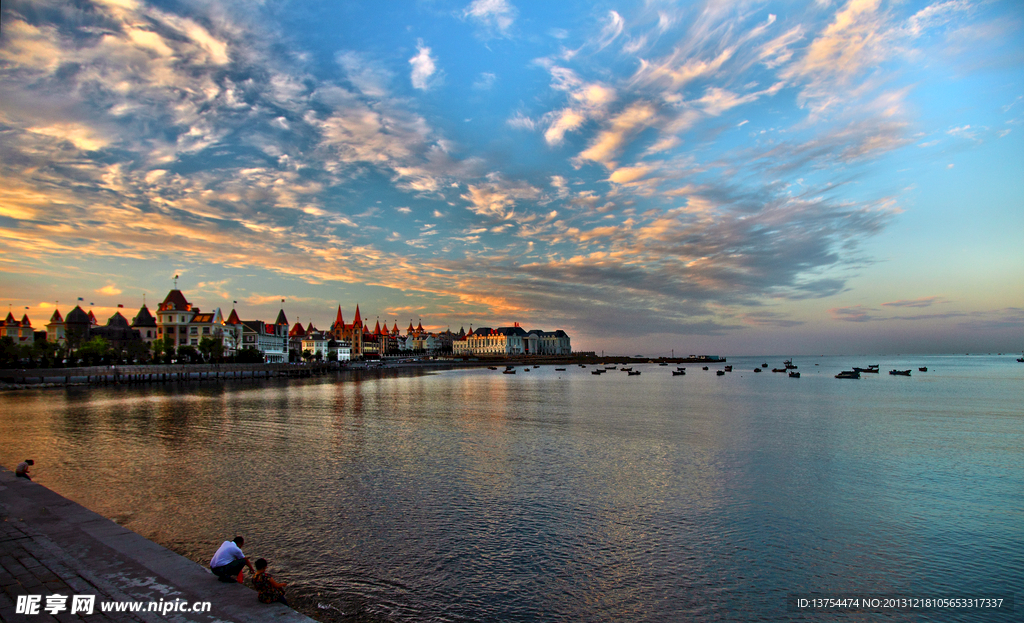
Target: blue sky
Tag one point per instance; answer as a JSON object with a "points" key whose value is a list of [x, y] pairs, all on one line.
{"points": [[722, 177]]}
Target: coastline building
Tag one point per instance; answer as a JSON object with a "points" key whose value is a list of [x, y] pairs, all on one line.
{"points": [[55, 329], [77, 326], [20, 331], [117, 332], [512, 341], [269, 339], [351, 333], [145, 323]]}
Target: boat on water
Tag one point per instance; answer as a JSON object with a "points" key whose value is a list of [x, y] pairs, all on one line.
{"points": [[757, 369], [536, 366], [492, 367], [598, 372], [794, 375], [728, 368], [512, 371], [764, 365], [705, 368], [680, 368], [871, 369], [632, 373], [559, 369], [610, 367], [720, 372], [629, 369], [923, 369], [848, 374], [789, 364], [679, 373], [778, 369], [899, 372]]}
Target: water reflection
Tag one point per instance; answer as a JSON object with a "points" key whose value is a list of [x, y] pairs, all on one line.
{"points": [[474, 496]]}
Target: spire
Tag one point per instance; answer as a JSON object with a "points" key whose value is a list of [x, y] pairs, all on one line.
{"points": [[281, 318], [233, 318], [358, 320], [25, 322], [376, 329], [56, 317]]}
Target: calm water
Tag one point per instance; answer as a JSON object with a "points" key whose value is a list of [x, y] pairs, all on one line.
{"points": [[562, 496]]}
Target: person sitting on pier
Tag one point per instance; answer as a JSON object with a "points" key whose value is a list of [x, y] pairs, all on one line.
{"points": [[227, 563], [270, 590], [21, 471]]}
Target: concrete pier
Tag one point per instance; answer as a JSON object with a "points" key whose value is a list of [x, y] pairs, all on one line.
{"points": [[50, 545]]}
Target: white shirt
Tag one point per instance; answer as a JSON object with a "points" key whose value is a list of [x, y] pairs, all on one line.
{"points": [[226, 553]]}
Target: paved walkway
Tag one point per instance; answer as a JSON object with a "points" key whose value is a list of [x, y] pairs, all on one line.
{"points": [[50, 545]]}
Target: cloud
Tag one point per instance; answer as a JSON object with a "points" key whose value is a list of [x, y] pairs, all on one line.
{"points": [[495, 17], [423, 67], [109, 289], [856, 313], [927, 301]]}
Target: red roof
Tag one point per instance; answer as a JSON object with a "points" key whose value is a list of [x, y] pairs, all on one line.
{"points": [[358, 319], [233, 318], [297, 331], [175, 301], [339, 322], [56, 317]]}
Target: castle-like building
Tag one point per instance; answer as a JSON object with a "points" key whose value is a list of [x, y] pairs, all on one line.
{"points": [[179, 322]]}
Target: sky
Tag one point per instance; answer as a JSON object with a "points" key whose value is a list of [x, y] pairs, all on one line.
{"points": [[653, 177]]}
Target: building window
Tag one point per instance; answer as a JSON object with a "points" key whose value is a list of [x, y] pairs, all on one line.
{"points": [[170, 330], [206, 330], [195, 342], [194, 330]]}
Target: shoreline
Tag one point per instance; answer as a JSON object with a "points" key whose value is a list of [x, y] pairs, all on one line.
{"points": [[50, 545]]}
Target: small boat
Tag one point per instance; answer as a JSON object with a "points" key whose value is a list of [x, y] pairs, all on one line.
{"points": [[679, 373], [680, 368], [867, 370], [492, 367], [764, 365], [705, 368], [778, 369], [536, 366], [923, 369], [794, 375], [632, 373], [728, 368], [512, 371], [720, 372], [757, 369], [789, 364], [526, 369], [629, 369], [609, 367], [582, 366], [848, 374], [899, 372], [559, 369], [598, 372], [510, 367]]}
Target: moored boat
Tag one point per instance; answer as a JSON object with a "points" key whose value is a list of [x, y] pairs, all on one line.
{"points": [[899, 372], [923, 369], [794, 375], [720, 372], [632, 373], [848, 374], [512, 371], [679, 373]]}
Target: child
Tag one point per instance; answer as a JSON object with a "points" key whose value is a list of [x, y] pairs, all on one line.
{"points": [[22, 470], [270, 590]]}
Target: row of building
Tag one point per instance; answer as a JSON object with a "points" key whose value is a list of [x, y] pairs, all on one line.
{"points": [[179, 323]]}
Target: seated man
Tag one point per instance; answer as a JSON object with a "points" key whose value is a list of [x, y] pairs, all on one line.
{"points": [[229, 560]]}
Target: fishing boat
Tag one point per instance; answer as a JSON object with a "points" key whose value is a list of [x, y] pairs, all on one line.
{"points": [[778, 369], [559, 369], [679, 373], [704, 368], [923, 369], [509, 371], [871, 369], [757, 369], [899, 372], [764, 365], [632, 373], [720, 372], [728, 368], [794, 375], [789, 364], [848, 374], [629, 369]]}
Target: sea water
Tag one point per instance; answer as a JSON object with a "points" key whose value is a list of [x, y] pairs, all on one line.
{"points": [[472, 495]]}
